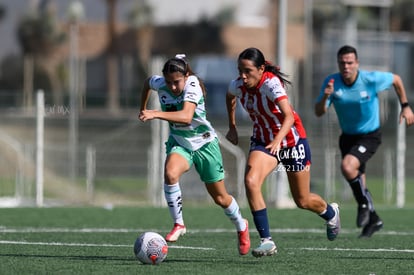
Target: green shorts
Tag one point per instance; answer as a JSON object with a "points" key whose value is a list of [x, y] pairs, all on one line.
{"points": [[207, 160]]}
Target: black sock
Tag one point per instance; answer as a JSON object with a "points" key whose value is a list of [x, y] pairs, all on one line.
{"points": [[369, 199], [358, 190]]}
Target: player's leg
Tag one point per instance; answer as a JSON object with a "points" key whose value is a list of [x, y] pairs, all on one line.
{"points": [[299, 183], [259, 166], [353, 171], [177, 163], [231, 209], [375, 223], [209, 164], [350, 167], [366, 215], [356, 151]]}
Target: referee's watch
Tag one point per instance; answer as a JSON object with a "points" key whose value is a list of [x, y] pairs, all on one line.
{"points": [[405, 104]]}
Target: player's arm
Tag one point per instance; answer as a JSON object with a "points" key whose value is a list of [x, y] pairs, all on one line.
{"points": [[406, 111], [232, 134], [145, 92], [183, 116], [399, 88], [320, 106], [288, 121]]}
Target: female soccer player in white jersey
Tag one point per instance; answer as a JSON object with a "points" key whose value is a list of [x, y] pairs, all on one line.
{"points": [[192, 140], [278, 137]]}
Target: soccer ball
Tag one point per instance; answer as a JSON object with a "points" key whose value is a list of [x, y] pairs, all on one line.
{"points": [[150, 248]]}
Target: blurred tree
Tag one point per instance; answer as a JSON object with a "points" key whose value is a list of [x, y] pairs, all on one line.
{"points": [[333, 16], [327, 16], [141, 20], [203, 37], [141, 15], [402, 15], [113, 103], [2, 14], [225, 16], [40, 39], [11, 80]]}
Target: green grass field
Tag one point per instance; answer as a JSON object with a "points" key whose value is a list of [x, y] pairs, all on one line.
{"points": [[100, 241]]}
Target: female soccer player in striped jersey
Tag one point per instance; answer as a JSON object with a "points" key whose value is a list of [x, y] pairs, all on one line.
{"points": [[192, 140], [278, 137]]}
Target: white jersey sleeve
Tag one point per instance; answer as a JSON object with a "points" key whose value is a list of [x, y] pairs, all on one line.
{"points": [[234, 87], [193, 91], [273, 89]]}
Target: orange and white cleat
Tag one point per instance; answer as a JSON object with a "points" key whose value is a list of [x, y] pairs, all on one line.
{"points": [[244, 240], [177, 231]]}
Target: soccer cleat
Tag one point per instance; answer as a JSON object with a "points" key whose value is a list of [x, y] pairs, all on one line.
{"points": [[375, 224], [363, 215], [244, 240], [177, 231], [266, 248], [333, 226]]}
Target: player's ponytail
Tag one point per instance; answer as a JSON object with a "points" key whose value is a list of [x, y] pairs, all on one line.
{"points": [[269, 67]]}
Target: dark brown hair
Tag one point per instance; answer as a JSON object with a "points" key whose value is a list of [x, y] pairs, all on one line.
{"points": [[257, 57], [181, 65]]}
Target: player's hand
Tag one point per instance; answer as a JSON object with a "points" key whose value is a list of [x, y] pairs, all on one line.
{"points": [[233, 136], [407, 114], [329, 89], [273, 147], [145, 115]]}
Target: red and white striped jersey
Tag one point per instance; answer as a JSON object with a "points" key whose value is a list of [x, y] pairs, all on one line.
{"points": [[261, 105]]}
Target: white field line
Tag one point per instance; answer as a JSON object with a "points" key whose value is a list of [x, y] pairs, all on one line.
{"points": [[218, 230], [207, 248], [354, 249], [93, 245]]}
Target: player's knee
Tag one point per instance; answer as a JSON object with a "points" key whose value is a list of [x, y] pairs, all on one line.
{"points": [[251, 183], [222, 200], [348, 169], [302, 203], [171, 176]]}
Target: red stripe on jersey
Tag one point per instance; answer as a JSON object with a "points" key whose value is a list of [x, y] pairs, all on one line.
{"points": [[267, 117]]}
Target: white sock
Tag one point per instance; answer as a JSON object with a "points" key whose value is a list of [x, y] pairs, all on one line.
{"points": [[233, 212], [174, 200]]}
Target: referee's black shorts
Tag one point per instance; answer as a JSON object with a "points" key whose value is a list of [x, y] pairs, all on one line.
{"points": [[363, 147]]}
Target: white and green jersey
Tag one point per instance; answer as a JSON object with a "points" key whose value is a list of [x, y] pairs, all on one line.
{"points": [[190, 136]]}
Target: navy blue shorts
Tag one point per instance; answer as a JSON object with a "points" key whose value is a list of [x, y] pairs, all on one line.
{"points": [[293, 159]]}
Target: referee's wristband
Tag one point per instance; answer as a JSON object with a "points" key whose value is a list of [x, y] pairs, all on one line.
{"points": [[405, 104]]}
